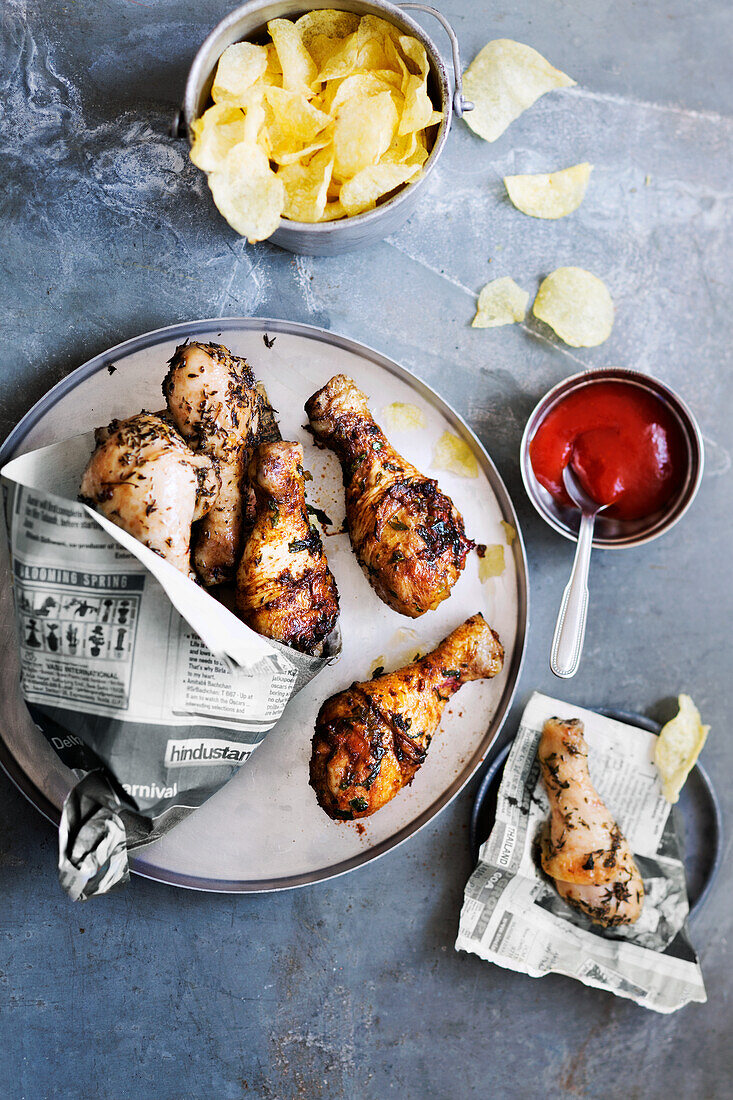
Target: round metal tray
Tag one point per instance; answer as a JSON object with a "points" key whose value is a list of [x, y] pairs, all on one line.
{"points": [[699, 807], [264, 830]]}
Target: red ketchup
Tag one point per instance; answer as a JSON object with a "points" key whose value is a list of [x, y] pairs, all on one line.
{"points": [[625, 445]]}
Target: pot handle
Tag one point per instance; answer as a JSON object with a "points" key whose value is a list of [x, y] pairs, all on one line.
{"points": [[460, 105]]}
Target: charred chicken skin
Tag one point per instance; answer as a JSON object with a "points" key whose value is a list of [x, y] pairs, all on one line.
{"points": [[407, 535], [213, 403], [371, 739], [583, 849], [285, 589], [144, 478]]}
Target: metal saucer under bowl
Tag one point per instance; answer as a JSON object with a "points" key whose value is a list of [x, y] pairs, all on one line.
{"points": [[699, 809], [610, 533]]}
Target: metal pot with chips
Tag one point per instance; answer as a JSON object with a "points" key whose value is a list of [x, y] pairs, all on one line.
{"points": [[300, 192]]}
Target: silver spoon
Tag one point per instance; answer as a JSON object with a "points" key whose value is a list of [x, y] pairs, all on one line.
{"points": [[567, 644]]}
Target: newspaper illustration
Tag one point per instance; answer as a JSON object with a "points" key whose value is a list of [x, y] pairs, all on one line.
{"points": [[513, 916], [134, 673]]}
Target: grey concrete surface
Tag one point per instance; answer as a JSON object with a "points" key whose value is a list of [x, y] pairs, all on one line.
{"points": [[353, 989]]}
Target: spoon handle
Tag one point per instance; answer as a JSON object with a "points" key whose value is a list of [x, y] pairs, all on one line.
{"points": [[567, 644]]}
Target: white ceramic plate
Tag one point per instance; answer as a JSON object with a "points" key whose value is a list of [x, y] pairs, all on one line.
{"points": [[264, 829]]}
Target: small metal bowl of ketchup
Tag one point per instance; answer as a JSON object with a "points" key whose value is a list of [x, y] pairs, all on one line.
{"points": [[634, 445]]}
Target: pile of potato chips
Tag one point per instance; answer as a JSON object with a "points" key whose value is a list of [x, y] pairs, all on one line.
{"points": [[320, 123]]}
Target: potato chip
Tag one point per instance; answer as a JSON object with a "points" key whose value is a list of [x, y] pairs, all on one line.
{"points": [[372, 55], [503, 80], [362, 191], [239, 67], [305, 153], [491, 562], [273, 74], [358, 86], [299, 70], [306, 187], [402, 417], [254, 116], [501, 302], [247, 192], [455, 456], [576, 305], [549, 195], [509, 530], [366, 49], [414, 54], [217, 131], [408, 149], [292, 122], [322, 30], [419, 111], [333, 211], [363, 131], [678, 747]]}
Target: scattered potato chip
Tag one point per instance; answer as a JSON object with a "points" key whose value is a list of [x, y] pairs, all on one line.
{"points": [[247, 192], [455, 456], [239, 67], [576, 305], [336, 103], [217, 131], [550, 195], [509, 530], [403, 417], [306, 187], [491, 563], [503, 80], [299, 70], [362, 191], [501, 302], [678, 747]]}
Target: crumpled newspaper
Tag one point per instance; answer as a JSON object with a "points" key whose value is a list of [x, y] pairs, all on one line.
{"points": [[513, 916]]}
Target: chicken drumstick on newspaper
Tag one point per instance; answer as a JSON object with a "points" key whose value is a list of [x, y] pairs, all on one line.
{"points": [[583, 849], [144, 478], [213, 402]]}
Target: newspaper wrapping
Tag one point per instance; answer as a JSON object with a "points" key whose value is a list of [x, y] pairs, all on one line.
{"points": [[150, 690], [512, 914]]}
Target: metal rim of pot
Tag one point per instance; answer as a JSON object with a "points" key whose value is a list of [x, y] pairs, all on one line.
{"points": [[200, 76]]}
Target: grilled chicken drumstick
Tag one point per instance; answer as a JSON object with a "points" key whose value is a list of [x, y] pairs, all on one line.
{"points": [[372, 738], [407, 535], [213, 402], [583, 849], [144, 478], [285, 589]]}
